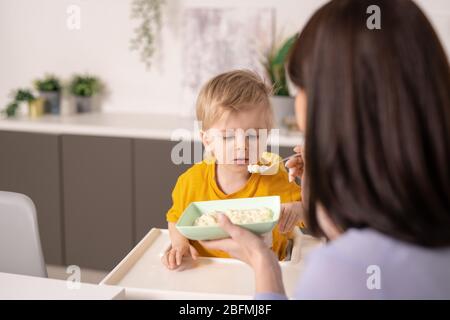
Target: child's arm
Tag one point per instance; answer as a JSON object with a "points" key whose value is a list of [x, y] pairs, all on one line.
{"points": [[180, 248]]}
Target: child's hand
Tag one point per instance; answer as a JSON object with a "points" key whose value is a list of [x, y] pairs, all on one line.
{"points": [[291, 215], [296, 165], [172, 259]]}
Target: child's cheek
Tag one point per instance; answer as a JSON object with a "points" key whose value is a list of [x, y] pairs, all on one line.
{"points": [[254, 153], [221, 154], [256, 150]]}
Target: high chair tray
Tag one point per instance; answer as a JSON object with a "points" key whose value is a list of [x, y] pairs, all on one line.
{"points": [[143, 275]]}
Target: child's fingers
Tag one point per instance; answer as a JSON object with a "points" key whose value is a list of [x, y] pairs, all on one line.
{"points": [[298, 149], [194, 252], [283, 221], [164, 259], [291, 222], [172, 262], [178, 257]]}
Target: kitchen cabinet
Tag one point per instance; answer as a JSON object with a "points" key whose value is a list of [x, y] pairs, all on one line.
{"points": [[98, 200], [155, 176], [30, 164]]}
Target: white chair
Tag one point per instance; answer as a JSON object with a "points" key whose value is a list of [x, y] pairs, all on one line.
{"points": [[20, 245]]}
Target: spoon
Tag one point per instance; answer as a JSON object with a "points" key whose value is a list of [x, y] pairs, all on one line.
{"points": [[270, 169]]}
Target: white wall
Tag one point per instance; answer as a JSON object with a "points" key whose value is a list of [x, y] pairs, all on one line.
{"points": [[34, 40]]}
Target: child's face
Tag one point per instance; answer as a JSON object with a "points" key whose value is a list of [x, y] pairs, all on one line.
{"points": [[238, 138]]}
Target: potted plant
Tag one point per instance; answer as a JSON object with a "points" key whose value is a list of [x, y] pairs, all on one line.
{"points": [[275, 64], [50, 90], [83, 88], [11, 109], [35, 105]]}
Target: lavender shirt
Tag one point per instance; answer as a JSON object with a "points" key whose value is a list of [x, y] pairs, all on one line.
{"points": [[366, 264]]}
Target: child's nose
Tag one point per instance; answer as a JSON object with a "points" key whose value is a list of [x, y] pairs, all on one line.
{"points": [[241, 142]]}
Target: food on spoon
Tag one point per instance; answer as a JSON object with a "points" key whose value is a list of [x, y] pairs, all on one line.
{"points": [[255, 168]]}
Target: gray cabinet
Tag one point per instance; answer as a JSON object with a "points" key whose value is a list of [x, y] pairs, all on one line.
{"points": [[30, 164], [97, 196], [155, 176]]}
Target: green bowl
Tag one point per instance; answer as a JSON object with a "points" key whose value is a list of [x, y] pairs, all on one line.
{"points": [[195, 209]]}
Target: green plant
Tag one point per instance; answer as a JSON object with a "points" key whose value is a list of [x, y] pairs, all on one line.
{"points": [[149, 13], [84, 86], [24, 95], [48, 83], [274, 63], [20, 95], [11, 109]]}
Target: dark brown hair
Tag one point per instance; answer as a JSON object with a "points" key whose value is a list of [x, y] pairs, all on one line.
{"points": [[377, 150]]}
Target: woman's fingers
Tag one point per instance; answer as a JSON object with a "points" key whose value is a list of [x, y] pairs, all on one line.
{"points": [[293, 173], [298, 149], [234, 231], [223, 244], [292, 163], [243, 244], [295, 167]]}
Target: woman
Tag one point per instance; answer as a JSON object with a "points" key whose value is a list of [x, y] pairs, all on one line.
{"points": [[377, 155]]}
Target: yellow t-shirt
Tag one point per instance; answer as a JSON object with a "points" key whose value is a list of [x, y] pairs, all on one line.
{"points": [[198, 183]]}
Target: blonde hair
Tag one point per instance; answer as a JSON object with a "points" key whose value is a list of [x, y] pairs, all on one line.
{"points": [[232, 91]]}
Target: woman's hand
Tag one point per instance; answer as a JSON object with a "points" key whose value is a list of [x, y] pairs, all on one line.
{"points": [[172, 259], [242, 245], [251, 249], [296, 165], [291, 215]]}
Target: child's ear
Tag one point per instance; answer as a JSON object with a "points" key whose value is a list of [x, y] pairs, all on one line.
{"points": [[205, 139]]}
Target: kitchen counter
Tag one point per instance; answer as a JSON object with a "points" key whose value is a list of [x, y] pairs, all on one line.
{"points": [[150, 126], [20, 287]]}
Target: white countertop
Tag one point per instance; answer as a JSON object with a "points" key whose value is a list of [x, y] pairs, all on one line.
{"points": [[20, 287], [148, 126]]}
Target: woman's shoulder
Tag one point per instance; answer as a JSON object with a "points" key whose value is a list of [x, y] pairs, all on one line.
{"points": [[365, 263]]}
